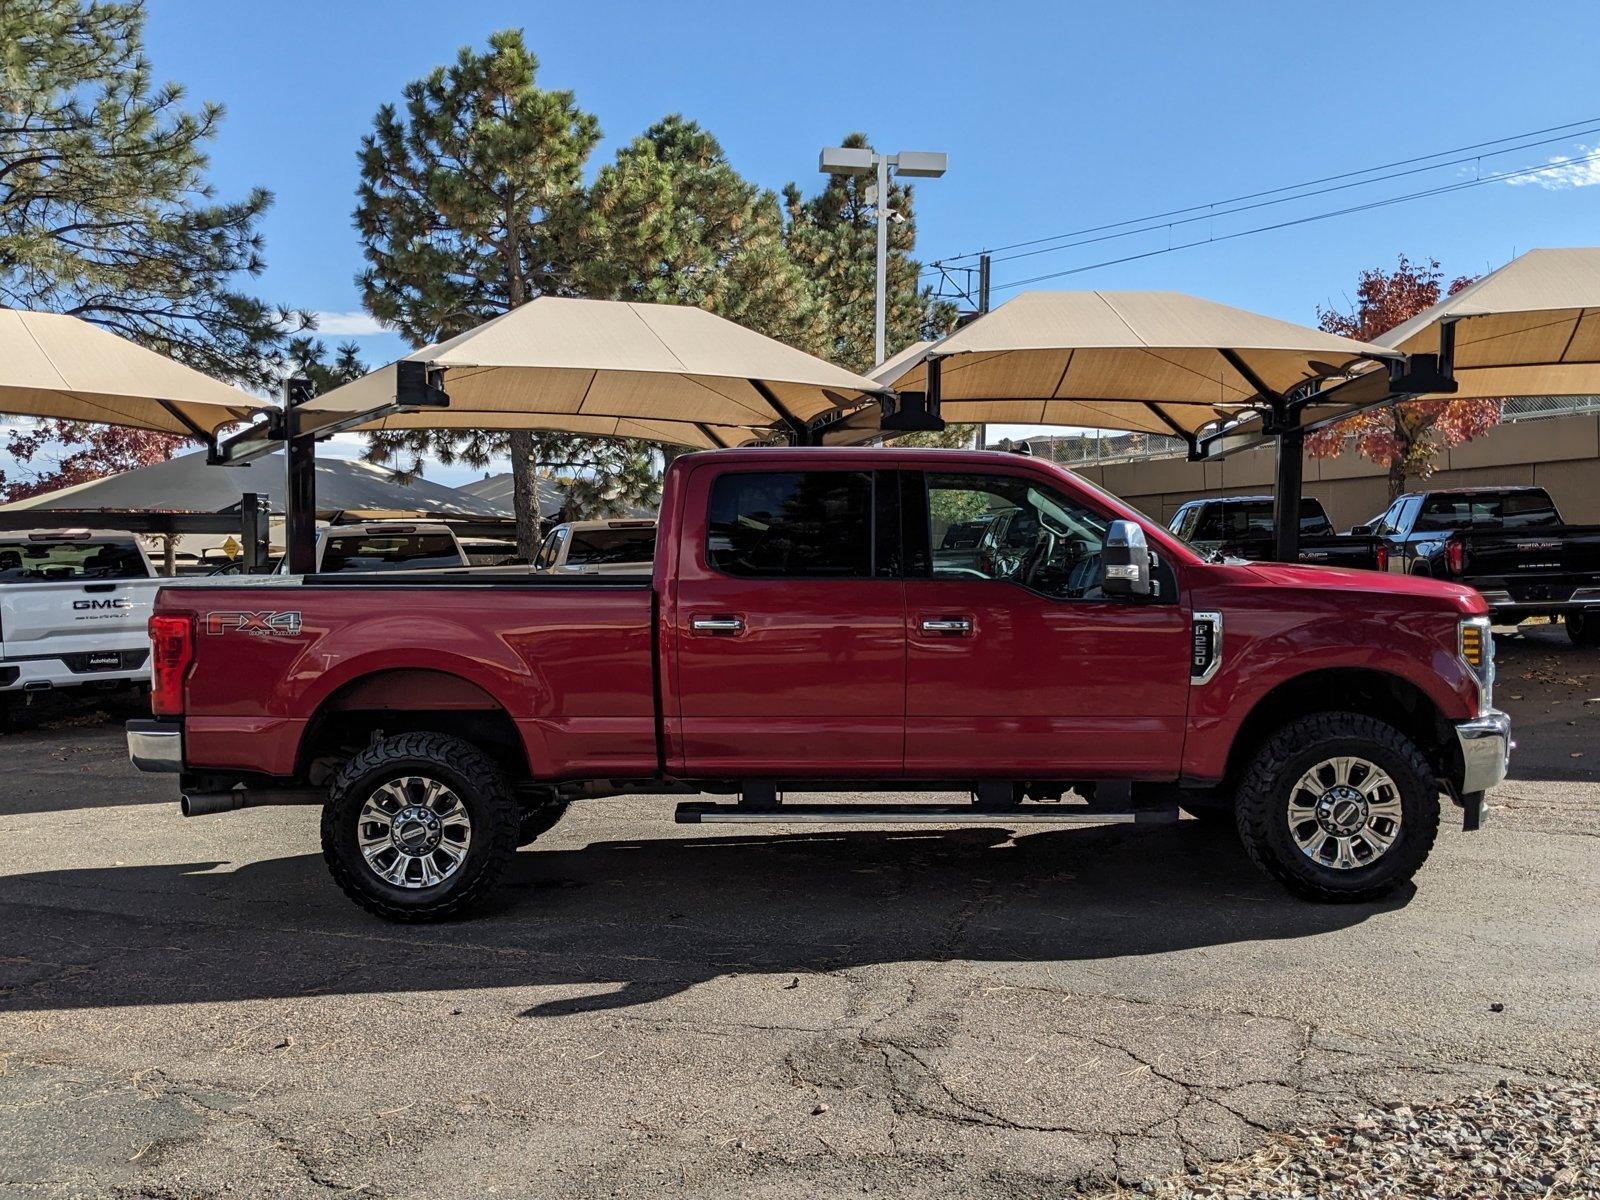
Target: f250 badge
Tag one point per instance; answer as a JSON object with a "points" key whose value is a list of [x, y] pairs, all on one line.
{"points": [[257, 624]]}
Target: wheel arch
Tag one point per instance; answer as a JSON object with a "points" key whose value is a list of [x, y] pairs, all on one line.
{"points": [[404, 700], [1376, 693]]}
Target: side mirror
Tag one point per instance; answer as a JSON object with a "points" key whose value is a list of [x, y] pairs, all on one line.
{"points": [[1125, 561], [1361, 531]]}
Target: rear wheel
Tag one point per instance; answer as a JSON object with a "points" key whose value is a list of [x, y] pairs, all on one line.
{"points": [[1583, 628], [419, 826], [1338, 806]]}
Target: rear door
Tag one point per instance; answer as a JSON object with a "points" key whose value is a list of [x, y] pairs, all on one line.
{"points": [[1016, 664], [789, 624]]}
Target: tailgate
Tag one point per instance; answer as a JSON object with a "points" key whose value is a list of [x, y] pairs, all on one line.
{"points": [[1538, 565], [1339, 550], [58, 619]]}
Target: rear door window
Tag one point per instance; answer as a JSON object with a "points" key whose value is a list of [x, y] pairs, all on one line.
{"points": [[792, 525]]}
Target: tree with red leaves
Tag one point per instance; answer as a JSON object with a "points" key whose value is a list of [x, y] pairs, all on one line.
{"points": [[1402, 437]]}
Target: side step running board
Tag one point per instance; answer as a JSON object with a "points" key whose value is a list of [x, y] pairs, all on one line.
{"points": [[697, 812]]}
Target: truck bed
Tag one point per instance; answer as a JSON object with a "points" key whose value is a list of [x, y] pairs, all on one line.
{"points": [[572, 660], [1531, 568]]}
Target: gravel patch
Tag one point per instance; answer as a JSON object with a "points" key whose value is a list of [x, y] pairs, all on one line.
{"points": [[1513, 1140]]}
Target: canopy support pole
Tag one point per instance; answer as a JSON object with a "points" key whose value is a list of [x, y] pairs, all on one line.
{"points": [[300, 482], [799, 431], [1288, 487]]}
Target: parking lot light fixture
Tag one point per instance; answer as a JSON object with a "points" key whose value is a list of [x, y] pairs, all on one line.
{"points": [[858, 160]]}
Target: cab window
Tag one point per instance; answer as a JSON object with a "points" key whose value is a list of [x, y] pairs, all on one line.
{"points": [[1033, 536], [792, 525]]}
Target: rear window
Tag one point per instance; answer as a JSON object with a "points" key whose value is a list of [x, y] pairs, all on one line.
{"points": [[792, 525], [389, 552], [29, 561], [1235, 521], [592, 547], [1488, 510]]}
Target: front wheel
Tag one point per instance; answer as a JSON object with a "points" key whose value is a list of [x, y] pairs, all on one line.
{"points": [[1338, 807], [419, 826]]}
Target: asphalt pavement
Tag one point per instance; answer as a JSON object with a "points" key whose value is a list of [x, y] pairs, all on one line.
{"points": [[190, 1007]]}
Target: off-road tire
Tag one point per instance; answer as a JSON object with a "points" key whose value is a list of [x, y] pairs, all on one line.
{"points": [[1583, 628], [483, 792], [537, 821], [1262, 802]]}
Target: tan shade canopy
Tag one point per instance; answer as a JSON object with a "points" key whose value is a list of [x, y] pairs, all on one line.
{"points": [[657, 371], [1532, 328], [1156, 362], [57, 366]]}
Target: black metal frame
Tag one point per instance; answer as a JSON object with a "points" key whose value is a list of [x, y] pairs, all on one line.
{"points": [[249, 521]]}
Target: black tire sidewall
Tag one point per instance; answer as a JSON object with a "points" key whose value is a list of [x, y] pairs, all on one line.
{"points": [[1263, 820], [482, 793]]}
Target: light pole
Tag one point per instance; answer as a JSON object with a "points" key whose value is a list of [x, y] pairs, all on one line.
{"points": [[858, 160]]}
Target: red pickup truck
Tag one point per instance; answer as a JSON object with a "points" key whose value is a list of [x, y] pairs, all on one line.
{"points": [[809, 626]]}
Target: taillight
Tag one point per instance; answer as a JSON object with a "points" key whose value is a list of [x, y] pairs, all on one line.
{"points": [[171, 653], [1380, 560], [1455, 556]]}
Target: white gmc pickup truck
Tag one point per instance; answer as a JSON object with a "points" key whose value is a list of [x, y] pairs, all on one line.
{"points": [[73, 608]]}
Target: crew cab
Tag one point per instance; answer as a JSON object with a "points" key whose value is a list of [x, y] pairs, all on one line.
{"points": [[1241, 527], [610, 547], [804, 629], [1509, 543]]}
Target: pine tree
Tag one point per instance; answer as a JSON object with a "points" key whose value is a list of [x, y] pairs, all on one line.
{"points": [[471, 203], [105, 211]]}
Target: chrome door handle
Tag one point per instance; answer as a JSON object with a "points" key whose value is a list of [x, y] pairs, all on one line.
{"points": [[717, 624], [946, 625]]}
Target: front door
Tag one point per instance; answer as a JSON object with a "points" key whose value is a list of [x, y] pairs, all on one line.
{"points": [[1016, 664], [789, 624]]}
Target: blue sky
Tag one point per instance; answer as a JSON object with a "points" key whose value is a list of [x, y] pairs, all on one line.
{"points": [[1055, 117]]}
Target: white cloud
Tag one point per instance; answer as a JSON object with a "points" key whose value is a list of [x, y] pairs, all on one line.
{"points": [[1565, 171], [348, 324]]}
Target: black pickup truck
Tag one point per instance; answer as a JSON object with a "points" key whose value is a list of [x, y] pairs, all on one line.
{"points": [[1241, 527], [1508, 542]]}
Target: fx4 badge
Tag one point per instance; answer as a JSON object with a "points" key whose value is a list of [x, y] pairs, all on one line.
{"points": [[258, 624]]}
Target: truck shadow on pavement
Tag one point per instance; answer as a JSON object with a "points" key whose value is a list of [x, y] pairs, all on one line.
{"points": [[620, 923]]}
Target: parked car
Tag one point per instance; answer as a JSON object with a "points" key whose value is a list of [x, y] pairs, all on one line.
{"points": [[1509, 543], [797, 633], [617, 547], [1241, 526]]}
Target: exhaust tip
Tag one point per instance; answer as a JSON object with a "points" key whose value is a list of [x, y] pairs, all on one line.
{"points": [[200, 804]]}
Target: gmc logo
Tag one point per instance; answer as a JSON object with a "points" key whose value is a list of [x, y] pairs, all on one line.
{"points": [[94, 605], [258, 624]]}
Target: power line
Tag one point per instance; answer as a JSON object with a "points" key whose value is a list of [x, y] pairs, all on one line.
{"points": [[1499, 177], [1572, 130]]}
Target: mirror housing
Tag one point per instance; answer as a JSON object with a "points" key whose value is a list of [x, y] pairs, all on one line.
{"points": [[1125, 561]]}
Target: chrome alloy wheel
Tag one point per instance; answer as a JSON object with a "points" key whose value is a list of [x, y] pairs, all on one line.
{"points": [[1345, 813], [414, 832]]}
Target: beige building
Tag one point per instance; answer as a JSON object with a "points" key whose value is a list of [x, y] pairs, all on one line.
{"points": [[1560, 454]]}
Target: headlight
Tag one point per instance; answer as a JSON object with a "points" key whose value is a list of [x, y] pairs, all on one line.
{"points": [[1476, 646]]}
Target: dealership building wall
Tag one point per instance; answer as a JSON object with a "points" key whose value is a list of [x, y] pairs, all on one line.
{"points": [[1560, 454]]}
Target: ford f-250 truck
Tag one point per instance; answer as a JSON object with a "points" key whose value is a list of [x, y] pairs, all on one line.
{"points": [[803, 630]]}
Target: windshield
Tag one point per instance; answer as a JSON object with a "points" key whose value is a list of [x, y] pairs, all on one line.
{"points": [[389, 552], [591, 547], [32, 561]]}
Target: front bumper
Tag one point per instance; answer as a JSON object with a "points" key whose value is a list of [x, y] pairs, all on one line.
{"points": [[1485, 751], [155, 746]]}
